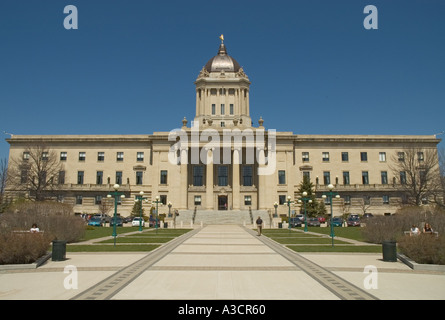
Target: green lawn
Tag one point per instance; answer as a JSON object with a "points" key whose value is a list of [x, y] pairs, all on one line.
{"points": [[316, 240], [147, 240]]}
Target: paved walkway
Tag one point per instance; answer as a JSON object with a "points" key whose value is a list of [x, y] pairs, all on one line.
{"points": [[221, 262]]}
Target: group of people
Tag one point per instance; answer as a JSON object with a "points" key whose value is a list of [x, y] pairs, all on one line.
{"points": [[426, 229]]}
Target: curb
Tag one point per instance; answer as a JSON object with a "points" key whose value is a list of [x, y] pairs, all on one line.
{"points": [[420, 267], [34, 265]]}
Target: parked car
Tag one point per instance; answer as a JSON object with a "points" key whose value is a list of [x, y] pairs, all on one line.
{"points": [[368, 215], [353, 222], [300, 216], [96, 222], [104, 217], [295, 222], [119, 222], [337, 222], [313, 222], [137, 221], [128, 219], [322, 219]]}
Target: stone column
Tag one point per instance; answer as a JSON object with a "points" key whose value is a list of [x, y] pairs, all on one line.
{"points": [[183, 179], [236, 179], [262, 188], [209, 180]]}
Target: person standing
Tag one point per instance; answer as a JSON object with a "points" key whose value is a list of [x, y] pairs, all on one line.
{"points": [[259, 225]]}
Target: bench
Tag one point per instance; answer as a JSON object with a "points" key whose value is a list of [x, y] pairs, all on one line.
{"points": [[410, 233]]}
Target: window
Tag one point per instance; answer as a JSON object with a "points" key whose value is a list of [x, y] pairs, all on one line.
{"points": [[247, 200], [98, 200], [325, 156], [344, 156], [139, 177], [26, 155], [401, 156], [23, 176], [305, 156], [163, 199], [326, 177], [363, 156], [100, 156], [63, 156], [423, 177], [402, 177], [213, 109], [385, 199], [382, 156], [82, 156], [346, 180], [223, 124], [223, 176], [78, 199], [140, 157], [223, 108], [281, 177], [163, 176], [197, 200], [231, 109], [61, 177], [198, 175], [347, 199], [120, 156], [45, 156], [307, 174], [119, 177], [384, 176], [365, 177], [80, 177], [99, 177], [247, 176], [282, 199], [420, 156]]}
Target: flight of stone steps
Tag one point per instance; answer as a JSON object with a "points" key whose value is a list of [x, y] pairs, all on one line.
{"points": [[208, 217]]}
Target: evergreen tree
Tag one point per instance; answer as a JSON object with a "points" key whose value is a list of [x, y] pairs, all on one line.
{"points": [[314, 208], [136, 209]]}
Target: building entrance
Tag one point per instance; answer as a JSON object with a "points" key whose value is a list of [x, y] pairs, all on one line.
{"points": [[222, 203]]}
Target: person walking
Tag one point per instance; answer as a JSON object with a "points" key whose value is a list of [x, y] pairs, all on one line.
{"points": [[259, 225]]}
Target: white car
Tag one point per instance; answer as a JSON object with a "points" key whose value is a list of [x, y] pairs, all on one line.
{"points": [[136, 222]]}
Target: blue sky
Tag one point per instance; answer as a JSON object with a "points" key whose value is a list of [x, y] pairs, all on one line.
{"points": [[129, 68]]}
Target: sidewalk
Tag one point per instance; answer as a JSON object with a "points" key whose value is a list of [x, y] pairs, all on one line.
{"points": [[220, 262]]}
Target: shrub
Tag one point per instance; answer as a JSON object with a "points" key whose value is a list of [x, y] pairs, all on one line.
{"points": [[424, 248], [18, 248], [380, 228], [56, 220]]}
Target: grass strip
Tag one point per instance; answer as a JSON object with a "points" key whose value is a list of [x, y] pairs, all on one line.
{"points": [[351, 248], [108, 248]]}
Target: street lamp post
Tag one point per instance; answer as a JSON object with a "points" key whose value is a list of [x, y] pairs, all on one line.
{"points": [[275, 205], [157, 201], [116, 195], [305, 200], [288, 204], [330, 194], [139, 198]]}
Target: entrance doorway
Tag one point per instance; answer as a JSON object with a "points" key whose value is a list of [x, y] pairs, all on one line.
{"points": [[222, 203]]}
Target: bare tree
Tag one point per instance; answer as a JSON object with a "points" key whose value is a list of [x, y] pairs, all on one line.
{"points": [[36, 172], [418, 174], [3, 178]]}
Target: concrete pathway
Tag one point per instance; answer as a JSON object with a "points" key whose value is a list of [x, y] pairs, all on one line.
{"points": [[222, 262]]}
